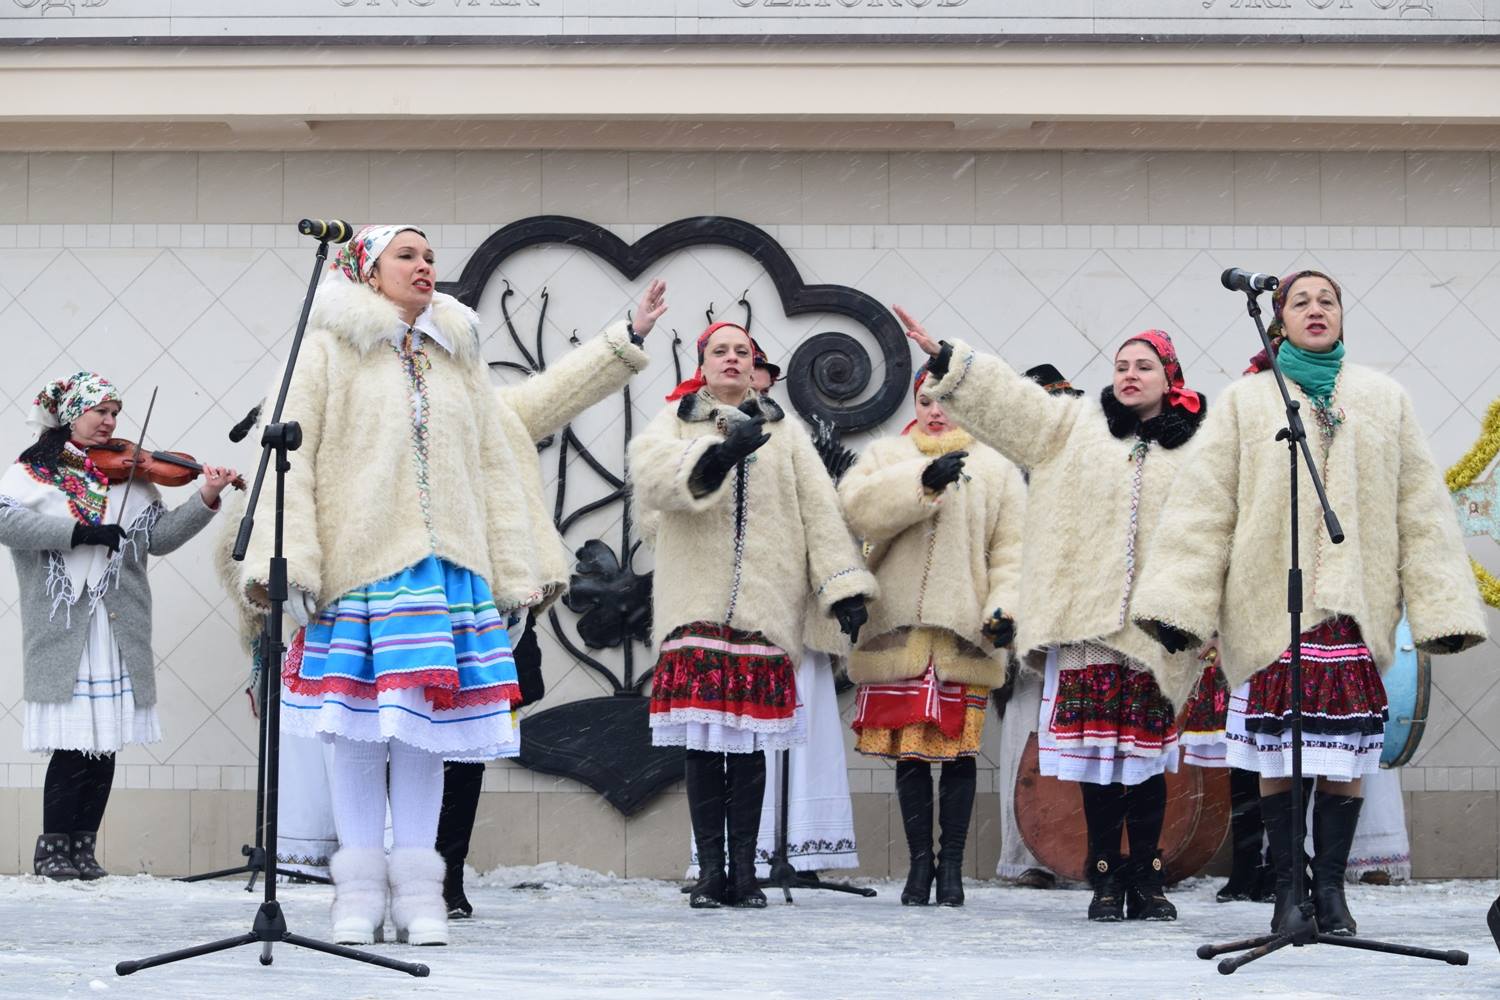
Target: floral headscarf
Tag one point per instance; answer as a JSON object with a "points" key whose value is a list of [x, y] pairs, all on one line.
{"points": [[356, 259], [1277, 330], [689, 386], [65, 400], [1178, 394]]}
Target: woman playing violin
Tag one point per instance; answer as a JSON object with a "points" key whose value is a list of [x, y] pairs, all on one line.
{"points": [[80, 548]]}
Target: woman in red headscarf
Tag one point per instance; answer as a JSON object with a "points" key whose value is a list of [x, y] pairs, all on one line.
{"points": [[940, 515], [1100, 471], [748, 533], [1225, 565]]}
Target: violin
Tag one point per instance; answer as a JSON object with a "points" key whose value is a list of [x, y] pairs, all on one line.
{"points": [[113, 459]]}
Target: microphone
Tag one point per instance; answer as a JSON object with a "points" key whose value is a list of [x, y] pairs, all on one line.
{"points": [[329, 231], [1237, 279]]}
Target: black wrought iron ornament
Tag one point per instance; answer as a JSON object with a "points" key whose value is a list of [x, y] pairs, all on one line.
{"points": [[605, 742]]}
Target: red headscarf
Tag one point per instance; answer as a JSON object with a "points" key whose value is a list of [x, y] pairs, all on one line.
{"points": [[689, 386], [916, 390], [1177, 393]]}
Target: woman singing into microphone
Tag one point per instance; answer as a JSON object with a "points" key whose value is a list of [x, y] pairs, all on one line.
{"points": [[1221, 561]]}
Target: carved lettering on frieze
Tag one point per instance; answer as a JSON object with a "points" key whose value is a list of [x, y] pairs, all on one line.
{"points": [[851, 4], [423, 4], [45, 7], [1401, 8]]}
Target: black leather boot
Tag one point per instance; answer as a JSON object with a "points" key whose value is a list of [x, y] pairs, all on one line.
{"points": [[1105, 875], [462, 783], [1276, 810], [704, 773], [1334, 820], [1247, 832], [955, 808], [914, 793], [83, 858], [54, 857], [1145, 890], [747, 791]]}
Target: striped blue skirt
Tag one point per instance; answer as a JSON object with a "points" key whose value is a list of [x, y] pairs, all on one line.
{"points": [[422, 657]]}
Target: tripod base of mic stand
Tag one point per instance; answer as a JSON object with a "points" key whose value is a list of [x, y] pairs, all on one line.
{"points": [[786, 878], [269, 929], [254, 866], [1303, 931]]}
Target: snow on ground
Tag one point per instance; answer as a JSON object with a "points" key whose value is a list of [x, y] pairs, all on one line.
{"points": [[573, 933]]}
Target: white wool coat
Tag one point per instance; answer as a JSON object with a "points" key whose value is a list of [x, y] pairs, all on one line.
{"points": [[1225, 537], [1088, 527], [354, 506], [750, 556], [943, 561]]}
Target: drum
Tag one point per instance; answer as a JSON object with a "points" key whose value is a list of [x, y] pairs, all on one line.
{"points": [[1050, 815], [1408, 689]]}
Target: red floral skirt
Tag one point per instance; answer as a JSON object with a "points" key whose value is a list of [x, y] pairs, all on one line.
{"points": [[1342, 693], [1106, 704], [711, 673]]}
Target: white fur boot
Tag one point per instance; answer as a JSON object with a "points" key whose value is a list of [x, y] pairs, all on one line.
{"points": [[417, 907], [359, 895]]}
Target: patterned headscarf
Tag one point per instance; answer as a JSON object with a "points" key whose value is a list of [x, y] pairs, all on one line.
{"points": [[762, 360], [65, 400], [1177, 393], [691, 385], [1277, 330], [356, 259]]}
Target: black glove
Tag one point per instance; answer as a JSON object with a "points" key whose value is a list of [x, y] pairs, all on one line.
{"points": [[1450, 643], [943, 470], [741, 441], [108, 535], [999, 628], [937, 365], [852, 615], [1173, 639]]}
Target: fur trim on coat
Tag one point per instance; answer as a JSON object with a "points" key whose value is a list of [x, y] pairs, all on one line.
{"points": [[1085, 543], [942, 562], [1223, 541], [791, 546], [354, 506]]}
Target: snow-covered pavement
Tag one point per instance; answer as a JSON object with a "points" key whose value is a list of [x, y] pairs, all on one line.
{"points": [[571, 933]]}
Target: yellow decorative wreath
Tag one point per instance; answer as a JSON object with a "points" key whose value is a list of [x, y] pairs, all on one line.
{"points": [[1465, 474]]}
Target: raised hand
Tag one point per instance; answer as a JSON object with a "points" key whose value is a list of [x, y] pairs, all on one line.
{"points": [[653, 305], [917, 332]]}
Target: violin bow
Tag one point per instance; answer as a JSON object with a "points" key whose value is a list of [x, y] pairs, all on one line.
{"points": [[135, 463]]}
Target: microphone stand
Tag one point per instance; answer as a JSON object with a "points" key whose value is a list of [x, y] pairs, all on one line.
{"points": [[1301, 928], [270, 925], [255, 854]]}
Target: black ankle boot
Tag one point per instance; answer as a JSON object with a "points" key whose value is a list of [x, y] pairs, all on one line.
{"points": [[83, 858], [1145, 890], [955, 807], [1334, 820], [914, 794], [747, 790], [453, 892], [1105, 874], [54, 857], [704, 773]]}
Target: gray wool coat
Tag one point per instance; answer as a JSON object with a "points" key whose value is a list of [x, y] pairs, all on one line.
{"points": [[52, 644]]}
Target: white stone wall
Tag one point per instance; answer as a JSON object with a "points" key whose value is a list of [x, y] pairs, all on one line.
{"points": [[179, 270]]}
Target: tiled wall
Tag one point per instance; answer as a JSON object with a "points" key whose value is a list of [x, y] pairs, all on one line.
{"points": [[180, 271]]}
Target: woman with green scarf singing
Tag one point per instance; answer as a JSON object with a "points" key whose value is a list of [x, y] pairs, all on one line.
{"points": [[1220, 561]]}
